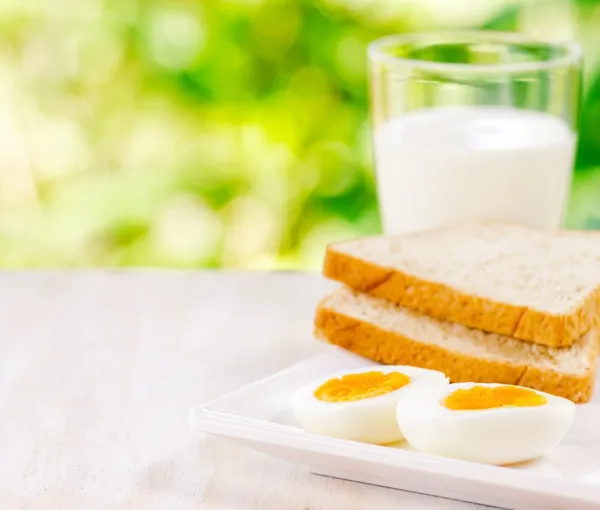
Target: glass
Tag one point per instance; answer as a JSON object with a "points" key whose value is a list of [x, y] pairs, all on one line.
{"points": [[473, 126]]}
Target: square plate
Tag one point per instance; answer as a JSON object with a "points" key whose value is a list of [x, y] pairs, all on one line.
{"points": [[259, 416]]}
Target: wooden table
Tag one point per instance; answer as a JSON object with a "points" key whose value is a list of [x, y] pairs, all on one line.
{"points": [[99, 369]]}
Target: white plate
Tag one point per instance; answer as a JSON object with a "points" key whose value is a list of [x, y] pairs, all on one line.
{"points": [[258, 415]]}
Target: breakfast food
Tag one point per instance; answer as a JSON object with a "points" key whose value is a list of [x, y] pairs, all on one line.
{"points": [[507, 314], [379, 330], [487, 423], [360, 405], [531, 285]]}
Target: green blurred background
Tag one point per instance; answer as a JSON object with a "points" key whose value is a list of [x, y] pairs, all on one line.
{"points": [[219, 133]]}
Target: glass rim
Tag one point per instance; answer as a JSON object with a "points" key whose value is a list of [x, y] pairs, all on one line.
{"points": [[572, 51]]}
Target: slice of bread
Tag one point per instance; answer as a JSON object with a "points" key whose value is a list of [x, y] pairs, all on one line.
{"points": [[532, 285], [381, 331]]}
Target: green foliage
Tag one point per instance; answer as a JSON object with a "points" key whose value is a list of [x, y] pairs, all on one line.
{"points": [[208, 134]]}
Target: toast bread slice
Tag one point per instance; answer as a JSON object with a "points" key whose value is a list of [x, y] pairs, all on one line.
{"points": [[537, 286], [383, 332]]}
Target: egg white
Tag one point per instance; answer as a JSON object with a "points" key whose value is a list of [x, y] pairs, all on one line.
{"points": [[368, 420], [502, 435]]}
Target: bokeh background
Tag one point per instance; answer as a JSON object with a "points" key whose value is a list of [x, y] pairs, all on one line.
{"points": [[219, 133]]}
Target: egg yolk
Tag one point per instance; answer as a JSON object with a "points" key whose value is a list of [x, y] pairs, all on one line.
{"points": [[359, 386], [486, 397]]}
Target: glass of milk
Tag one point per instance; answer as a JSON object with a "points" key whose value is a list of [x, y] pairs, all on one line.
{"points": [[473, 125]]}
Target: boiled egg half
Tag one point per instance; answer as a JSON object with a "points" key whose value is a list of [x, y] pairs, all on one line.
{"points": [[488, 423], [361, 405]]}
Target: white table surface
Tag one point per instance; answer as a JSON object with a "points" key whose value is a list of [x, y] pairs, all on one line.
{"points": [[98, 370]]}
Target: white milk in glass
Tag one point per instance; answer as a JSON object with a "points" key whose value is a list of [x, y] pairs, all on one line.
{"points": [[454, 164]]}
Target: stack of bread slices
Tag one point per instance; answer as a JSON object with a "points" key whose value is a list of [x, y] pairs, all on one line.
{"points": [[482, 302]]}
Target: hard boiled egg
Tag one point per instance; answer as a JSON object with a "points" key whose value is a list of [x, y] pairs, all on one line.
{"points": [[360, 405], [487, 423]]}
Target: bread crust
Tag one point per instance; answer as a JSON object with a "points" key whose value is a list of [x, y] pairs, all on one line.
{"points": [[446, 303], [391, 348]]}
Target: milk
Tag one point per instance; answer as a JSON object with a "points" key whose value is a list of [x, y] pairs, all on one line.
{"points": [[454, 164]]}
